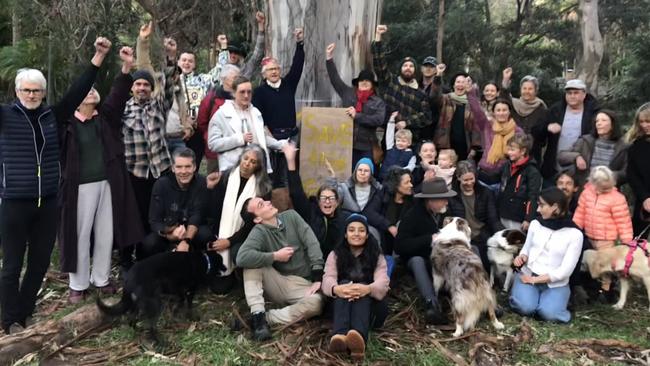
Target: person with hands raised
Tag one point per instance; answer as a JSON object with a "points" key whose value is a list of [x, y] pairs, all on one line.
{"points": [[30, 151], [283, 263], [367, 110], [357, 280]]}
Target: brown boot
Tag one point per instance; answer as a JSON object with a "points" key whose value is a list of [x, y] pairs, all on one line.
{"points": [[338, 344], [356, 344]]}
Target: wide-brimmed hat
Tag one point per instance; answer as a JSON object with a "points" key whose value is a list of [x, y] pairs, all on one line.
{"points": [[435, 188], [237, 49], [365, 75]]}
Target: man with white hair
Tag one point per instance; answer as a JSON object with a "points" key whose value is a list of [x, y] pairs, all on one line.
{"points": [[29, 152], [276, 99]]}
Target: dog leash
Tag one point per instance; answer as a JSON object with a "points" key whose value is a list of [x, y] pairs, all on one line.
{"points": [[207, 259], [636, 243]]}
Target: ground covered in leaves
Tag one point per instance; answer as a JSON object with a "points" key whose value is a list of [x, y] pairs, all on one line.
{"points": [[598, 335]]}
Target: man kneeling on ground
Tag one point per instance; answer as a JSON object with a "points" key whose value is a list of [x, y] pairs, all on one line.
{"points": [[282, 260]]}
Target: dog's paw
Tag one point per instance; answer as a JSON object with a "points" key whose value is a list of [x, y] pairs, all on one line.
{"points": [[498, 325], [618, 306], [459, 331]]}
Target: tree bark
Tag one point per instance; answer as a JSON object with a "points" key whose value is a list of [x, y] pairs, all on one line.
{"points": [[441, 29], [348, 23], [592, 44], [41, 335], [15, 26]]}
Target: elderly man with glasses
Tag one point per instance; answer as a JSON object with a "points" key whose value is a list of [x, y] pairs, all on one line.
{"points": [[29, 152]]}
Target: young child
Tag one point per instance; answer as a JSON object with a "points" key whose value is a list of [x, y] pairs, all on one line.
{"points": [[603, 214], [398, 149], [446, 166], [521, 183]]}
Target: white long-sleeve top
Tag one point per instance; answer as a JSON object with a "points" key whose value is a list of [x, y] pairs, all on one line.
{"points": [[552, 252]]}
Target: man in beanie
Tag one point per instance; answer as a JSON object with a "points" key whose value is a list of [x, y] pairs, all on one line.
{"points": [[431, 85], [283, 263], [143, 121], [401, 93], [276, 99]]}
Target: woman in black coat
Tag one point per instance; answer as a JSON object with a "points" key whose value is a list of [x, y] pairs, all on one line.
{"points": [[477, 205], [638, 167]]}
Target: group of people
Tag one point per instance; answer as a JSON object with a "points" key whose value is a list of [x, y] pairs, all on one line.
{"points": [[123, 174]]}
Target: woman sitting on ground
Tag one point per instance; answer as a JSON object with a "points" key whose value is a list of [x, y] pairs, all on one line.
{"points": [[398, 198], [550, 254], [355, 276], [424, 169]]}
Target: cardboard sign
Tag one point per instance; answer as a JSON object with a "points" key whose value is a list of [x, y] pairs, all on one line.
{"points": [[325, 135]]}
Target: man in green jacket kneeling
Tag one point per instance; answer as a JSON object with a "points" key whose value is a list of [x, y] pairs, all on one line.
{"points": [[281, 259]]}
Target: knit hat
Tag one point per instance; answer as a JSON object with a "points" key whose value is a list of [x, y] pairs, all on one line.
{"points": [[366, 75], [237, 50], [408, 59], [355, 217], [366, 161], [143, 74], [430, 60]]}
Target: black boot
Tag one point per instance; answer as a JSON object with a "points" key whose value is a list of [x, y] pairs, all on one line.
{"points": [[433, 313], [261, 331]]}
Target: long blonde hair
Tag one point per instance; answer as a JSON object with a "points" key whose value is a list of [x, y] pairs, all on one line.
{"points": [[635, 130]]}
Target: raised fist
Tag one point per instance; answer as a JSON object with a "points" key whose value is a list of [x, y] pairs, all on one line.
{"points": [[146, 29], [260, 18], [170, 46], [126, 55], [440, 68], [329, 51], [102, 45], [507, 73], [381, 29]]}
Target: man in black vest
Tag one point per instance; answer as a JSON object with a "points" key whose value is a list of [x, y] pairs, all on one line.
{"points": [[29, 152]]}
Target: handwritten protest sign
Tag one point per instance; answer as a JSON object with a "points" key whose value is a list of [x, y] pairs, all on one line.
{"points": [[325, 135]]}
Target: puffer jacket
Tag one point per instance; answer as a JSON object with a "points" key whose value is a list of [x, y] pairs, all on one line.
{"points": [[603, 216]]}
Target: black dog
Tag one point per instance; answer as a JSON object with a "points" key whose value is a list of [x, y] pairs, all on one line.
{"points": [[176, 273]]}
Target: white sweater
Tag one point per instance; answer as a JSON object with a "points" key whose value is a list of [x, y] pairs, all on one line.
{"points": [[552, 252]]}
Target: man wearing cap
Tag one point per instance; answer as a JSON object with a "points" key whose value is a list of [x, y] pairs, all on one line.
{"points": [[143, 130], [416, 232], [235, 55], [276, 99], [567, 120], [401, 93], [282, 263], [431, 85]]}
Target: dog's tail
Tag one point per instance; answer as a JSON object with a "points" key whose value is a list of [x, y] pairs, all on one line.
{"points": [[121, 307]]}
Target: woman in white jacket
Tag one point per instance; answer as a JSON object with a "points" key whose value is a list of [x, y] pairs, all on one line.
{"points": [[237, 124], [551, 252]]}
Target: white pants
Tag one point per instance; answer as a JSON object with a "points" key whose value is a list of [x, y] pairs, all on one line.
{"points": [[94, 214], [282, 290]]}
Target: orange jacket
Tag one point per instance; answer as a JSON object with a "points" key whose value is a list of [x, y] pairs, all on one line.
{"points": [[603, 216]]}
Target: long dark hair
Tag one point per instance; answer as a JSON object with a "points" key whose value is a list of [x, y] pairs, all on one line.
{"points": [[554, 195], [616, 128], [368, 258]]}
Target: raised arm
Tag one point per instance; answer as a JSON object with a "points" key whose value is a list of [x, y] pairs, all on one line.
{"points": [[339, 86], [80, 88], [295, 72], [258, 53], [384, 76], [143, 48], [296, 191], [113, 107]]}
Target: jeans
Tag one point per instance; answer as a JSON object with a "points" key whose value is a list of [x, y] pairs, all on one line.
{"points": [[423, 277], [360, 315], [549, 303]]}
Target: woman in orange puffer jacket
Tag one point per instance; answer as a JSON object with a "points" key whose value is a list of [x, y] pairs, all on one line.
{"points": [[603, 213]]}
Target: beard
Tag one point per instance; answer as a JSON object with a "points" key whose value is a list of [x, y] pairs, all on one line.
{"points": [[407, 78]]}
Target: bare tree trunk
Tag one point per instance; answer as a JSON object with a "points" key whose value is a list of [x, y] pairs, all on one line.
{"points": [[592, 44], [348, 23], [441, 29], [15, 26]]}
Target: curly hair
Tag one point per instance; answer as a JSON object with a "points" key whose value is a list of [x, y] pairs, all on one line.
{"points": [[368, 258]]}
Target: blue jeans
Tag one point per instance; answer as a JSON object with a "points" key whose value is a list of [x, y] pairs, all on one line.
{"points": [[548, 303], [174, 143]]}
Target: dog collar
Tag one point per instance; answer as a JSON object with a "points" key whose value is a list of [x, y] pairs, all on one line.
{"points": [[207, 259]]}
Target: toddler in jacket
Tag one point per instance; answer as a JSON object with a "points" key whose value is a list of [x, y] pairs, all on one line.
{"points": [[446, 166], [398, 149]]}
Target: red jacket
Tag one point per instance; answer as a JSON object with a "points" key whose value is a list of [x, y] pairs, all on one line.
{"points": [[604, 216], [209, 106]]}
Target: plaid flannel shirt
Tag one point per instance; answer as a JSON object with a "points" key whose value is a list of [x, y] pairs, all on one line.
{"points": [[411, 104], [143, 131]]}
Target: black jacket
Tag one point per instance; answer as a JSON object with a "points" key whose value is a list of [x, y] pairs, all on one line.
{"points": [[415, 231], [170, 205], [556, 115], [519, 192], [485, 209]]}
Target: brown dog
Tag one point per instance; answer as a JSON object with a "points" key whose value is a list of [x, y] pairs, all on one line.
{"points": [[612, 261]]}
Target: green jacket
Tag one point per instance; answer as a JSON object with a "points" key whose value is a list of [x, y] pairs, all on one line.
{"points": [[307, 260]]}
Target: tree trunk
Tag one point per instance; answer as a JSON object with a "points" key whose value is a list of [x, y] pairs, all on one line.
{"points": [[42, 335], [441, 29], [348, 23], [15, 26], [592, 44]]}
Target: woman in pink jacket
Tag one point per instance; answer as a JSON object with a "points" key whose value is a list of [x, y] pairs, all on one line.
{"points": [[603, 214], [357, 279]]}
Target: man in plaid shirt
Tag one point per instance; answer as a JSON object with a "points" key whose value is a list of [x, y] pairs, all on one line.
{"points": [[401, 93], [143, 131]]}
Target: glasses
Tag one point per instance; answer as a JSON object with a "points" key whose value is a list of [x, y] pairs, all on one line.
{"points": [[31, 91], [327, 198]]}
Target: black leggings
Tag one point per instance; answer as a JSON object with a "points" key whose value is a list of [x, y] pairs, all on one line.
{"points": [[22, 222], [360, 315]]}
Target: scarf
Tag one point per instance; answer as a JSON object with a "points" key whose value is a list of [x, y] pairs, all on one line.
{"points": [[411, 84], [557, 223], [502, 133], [515, 166], [524, 108], [275, 85], [231, 221], [362, 98], [461, 99]]}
